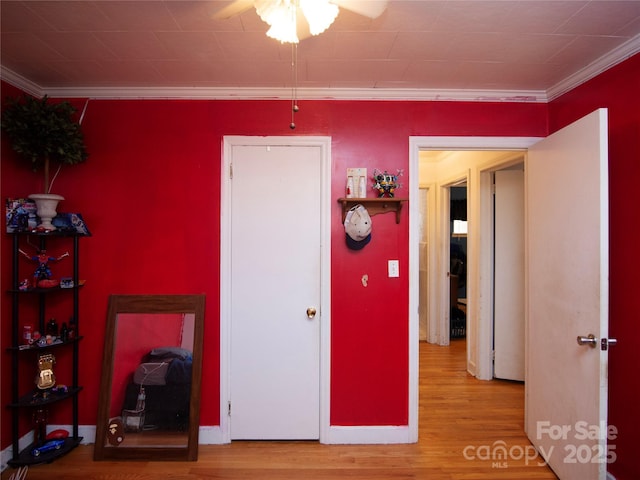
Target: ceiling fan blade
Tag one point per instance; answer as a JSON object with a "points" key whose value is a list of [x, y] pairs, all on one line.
{"points": [[368, 8], [234, 8]]}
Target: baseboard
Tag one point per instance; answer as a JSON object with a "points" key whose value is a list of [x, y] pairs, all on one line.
{"points": [[7, 453], [371, 435], [335, 435], [207, 436], [212, 435], [87, 432]]}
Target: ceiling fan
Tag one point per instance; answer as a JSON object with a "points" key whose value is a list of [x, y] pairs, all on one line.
{"points": [[294, 20]]}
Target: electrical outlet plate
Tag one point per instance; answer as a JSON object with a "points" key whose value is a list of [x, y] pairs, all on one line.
{"points": [[394, 268]]}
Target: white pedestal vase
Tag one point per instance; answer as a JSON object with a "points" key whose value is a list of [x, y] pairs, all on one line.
{"points": [[46, 204]]}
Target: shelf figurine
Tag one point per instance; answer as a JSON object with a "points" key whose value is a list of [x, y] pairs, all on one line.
{"points": [[385, 183], [42, 275], [45, 378]]}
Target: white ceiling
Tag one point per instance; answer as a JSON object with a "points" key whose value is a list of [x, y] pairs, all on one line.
{"points": [[527, 50]]}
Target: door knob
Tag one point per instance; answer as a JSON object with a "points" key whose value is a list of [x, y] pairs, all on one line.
{"points": [[605, 343], [590, 340], [311, 312]]}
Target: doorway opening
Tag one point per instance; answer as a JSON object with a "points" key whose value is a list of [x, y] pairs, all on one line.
{"points": [[468, 164], [458, 261], [439, 172], [551, 295]]}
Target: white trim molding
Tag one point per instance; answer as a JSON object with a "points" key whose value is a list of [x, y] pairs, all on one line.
{"points": [[369, 435], [226, 93], [611, 59], [21, 82], [208, 435], [619, 54]]}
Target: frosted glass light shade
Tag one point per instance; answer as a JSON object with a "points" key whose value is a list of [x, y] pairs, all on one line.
{"points": [[282, 16]]}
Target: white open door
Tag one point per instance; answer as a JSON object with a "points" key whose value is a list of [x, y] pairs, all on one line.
{"points": [[567, 297]]}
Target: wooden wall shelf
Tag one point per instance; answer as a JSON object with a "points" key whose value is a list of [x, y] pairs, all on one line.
{"points": [[373, 205]]}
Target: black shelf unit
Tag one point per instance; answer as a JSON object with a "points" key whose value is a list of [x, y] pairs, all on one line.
{"points": [[34, 399], [26, 458]]}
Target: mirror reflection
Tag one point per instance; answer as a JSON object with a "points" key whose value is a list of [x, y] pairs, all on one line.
{"points": [[151, 378], [151, 387]]}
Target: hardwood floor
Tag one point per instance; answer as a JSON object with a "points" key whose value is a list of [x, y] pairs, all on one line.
{"points": [[461, 419]]}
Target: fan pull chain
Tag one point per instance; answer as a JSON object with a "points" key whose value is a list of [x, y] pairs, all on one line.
{"points": [[294, 81]]}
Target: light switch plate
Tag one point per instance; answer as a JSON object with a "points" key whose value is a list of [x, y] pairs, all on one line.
{"points": [[394, 268]]}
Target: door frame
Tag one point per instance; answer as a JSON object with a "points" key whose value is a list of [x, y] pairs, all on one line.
{"points": [[228, 143], [480, 269]]}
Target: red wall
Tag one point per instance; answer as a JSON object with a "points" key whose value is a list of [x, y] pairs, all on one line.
{"points": [[617, 89], [150, 196]]}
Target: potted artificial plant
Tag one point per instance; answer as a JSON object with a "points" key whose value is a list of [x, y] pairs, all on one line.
{"points": [[44, 133]]}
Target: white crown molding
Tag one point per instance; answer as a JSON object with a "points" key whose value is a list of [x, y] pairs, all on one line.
{"points": [[614, 57], [204, 93], [383, 94], [20, 82], [619, 54]]}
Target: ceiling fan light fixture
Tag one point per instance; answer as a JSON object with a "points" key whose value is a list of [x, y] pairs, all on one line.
{"points": [[283, 32], [320, 14], [281, 16]]}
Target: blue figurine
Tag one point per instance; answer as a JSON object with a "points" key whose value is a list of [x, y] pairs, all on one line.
{"points": [[42, 272]]}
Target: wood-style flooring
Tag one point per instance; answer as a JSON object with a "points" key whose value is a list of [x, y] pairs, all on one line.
{"points": [[462, 423]]}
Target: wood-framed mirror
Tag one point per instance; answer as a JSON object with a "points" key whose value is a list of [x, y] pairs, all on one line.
{"points": [[149, 407]]}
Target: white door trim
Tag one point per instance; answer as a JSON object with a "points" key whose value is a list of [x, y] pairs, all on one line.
{"points": [[479, 332], [225, 270]]}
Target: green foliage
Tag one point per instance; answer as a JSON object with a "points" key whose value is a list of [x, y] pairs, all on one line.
{"points": [[41, 131]]}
